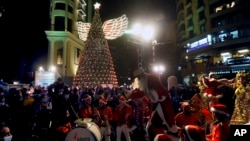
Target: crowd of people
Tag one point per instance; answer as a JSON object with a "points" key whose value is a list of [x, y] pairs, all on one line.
{"points": [[60, 112]]}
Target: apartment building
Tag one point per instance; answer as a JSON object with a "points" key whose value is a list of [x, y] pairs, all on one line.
{"points": [[213, 35], [64, 44]]}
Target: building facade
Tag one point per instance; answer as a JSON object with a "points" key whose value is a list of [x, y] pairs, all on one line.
{"points": [[65, 46], [213, 35]]}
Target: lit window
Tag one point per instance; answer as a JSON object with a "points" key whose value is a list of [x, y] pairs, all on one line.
{"points": [[59, 57]]}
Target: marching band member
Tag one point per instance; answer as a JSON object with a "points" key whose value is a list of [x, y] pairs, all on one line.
{"points": [[86, 111], [122, 115], [220, 130], [105, 116]]}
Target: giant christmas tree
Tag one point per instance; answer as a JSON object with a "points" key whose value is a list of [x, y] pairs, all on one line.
{"points": [[96, 65]]}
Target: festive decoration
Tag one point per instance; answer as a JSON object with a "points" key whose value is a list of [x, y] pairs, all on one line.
{"points": [[96, 65], [242, 97]]}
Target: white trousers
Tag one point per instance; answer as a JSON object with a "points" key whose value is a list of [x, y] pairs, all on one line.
{"points": [[122, 129], [105, 132]]}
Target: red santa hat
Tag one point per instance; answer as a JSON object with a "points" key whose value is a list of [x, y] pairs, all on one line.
{"points": [[183, 106], [123, 98], [86, 96], [210, 74], [194, 133], [163, 137], [220, 108], [103, 100]]}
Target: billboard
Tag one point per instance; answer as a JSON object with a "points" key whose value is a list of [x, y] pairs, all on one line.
{"points": [[44, 78]]}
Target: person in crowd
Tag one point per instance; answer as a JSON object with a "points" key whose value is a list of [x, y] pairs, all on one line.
{"points": [[5, 134], [220, 129], [193, 133], [240, 114], [200, 109], [122, 116], [137, 122], [212, 85], [4, 110], [186, 117], [63, 127], [105, 115], [86, 110]]}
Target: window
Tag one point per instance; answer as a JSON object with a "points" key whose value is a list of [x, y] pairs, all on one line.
{"points": [[69, 27], [70, 9], [77, 53], [60, 6], [59, 57], [59, 24], [202, 28]]}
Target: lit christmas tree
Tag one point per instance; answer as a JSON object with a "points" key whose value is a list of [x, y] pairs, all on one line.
{"points": [[96, 65]]}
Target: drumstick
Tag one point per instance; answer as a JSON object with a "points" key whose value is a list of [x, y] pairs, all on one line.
{"points": [[74, 112]]}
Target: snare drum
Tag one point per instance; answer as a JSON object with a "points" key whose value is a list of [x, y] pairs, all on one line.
{"points": [[89, 133]]}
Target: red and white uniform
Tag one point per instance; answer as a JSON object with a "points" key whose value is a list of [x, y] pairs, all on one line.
{"points": [[122, 115], [105, 115]]}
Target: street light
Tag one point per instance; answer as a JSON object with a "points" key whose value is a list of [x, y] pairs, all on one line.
{"points": [[158, 68], [144, 34]]}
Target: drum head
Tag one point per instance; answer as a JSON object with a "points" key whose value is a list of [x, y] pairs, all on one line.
{"points": [[90, 133], [80, 134]]}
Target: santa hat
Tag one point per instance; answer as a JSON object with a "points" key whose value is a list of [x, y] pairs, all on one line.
{"points": [[163, 137], [194, 133], [123, 98], [183, 105], [219, 108], [210, 74], [86, 96], [138, 72], [103, 100]]}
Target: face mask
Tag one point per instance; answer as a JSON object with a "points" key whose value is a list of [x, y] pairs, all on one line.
{"points": [[8, 138], [2, 103]]}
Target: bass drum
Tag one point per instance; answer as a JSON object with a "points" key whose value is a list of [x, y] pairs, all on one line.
{"points": [[90, 133]]}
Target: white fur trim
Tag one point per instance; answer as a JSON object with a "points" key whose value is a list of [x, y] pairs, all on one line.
{"points": [[209, 95], [189, 137], [153, 95], [172, 128], [218, 111]]}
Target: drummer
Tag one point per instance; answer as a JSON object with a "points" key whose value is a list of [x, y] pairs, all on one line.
{"points": [[86, 111], [105, 116]]}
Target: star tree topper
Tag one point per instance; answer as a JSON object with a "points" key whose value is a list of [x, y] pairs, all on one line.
{"points": [[112, 28]]}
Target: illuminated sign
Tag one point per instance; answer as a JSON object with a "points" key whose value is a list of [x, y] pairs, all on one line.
{"points": [[44, 78]]}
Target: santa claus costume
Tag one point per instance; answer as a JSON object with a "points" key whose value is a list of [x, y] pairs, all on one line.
{"points": [[193, 133], [162, 106], [220, 130]]}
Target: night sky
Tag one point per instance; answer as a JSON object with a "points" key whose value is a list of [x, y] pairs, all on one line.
{"points": [[23, 40]]}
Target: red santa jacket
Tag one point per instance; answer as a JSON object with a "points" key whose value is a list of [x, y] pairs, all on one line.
{"points": [[122, 115], [219, 132]]}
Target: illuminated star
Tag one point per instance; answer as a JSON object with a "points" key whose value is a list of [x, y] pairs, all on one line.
{"points": [[97, 5]]}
